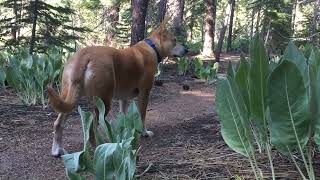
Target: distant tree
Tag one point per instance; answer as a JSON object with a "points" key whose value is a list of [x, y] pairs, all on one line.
{"points": [[50, 25], [294, 13], [162, 10], [229, 41], [252, 23], [111, 18], [34, 12], [223, 30], [315, 23], [274, 21], [138, 20], [210, 21], [11, 25], [175, 13]]}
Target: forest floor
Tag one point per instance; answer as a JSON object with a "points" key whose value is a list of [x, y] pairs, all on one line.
{"points": [[187, 143]]}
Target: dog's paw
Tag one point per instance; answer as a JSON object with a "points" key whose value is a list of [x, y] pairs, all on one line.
{"points": [[58, 152], [147, 133]]}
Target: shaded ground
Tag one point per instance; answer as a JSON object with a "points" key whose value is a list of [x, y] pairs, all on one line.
{"points": [[187, 142]]}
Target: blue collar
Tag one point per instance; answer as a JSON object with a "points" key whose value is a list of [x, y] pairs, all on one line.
{"points": [[150, 43]]}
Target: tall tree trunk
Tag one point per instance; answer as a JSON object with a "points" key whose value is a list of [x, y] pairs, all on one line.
{"points": [[162, 10], [138, 20], [315, 22], [223, 30], [210, 21], [34, 25], [258, 19], [175, 9], [47, 35], [252, 24], [229, 41], [111, 19], [148, 20], [14, 28], [294, 13]]}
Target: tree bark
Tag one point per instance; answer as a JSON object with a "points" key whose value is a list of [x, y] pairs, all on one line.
{"points": [[258, 19], [34, 25], [294, 13], [138, 20], [210, 21], [223, 30], [162, 10], [175, 9], [148, 21], [229, 41], [315, 21], [14, 28], [252, 24], [111, 20]]}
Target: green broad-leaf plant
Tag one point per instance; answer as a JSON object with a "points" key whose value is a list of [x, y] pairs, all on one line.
{"points": [[113, 160], [264, 104], [29, 74]]}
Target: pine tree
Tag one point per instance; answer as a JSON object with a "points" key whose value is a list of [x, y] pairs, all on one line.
{"points": [[138, 20], [50, 25]]}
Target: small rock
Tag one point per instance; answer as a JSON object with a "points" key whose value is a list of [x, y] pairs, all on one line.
{"points": [[158, 83], [186, 87]]}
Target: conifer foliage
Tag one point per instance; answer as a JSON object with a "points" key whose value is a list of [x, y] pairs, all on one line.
{"points": [[51, 25]]}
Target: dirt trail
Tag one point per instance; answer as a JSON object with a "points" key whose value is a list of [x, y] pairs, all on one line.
{"points": [[187, 142]]}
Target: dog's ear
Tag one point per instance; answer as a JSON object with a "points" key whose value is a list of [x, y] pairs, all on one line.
{"points": [[163, 24]]}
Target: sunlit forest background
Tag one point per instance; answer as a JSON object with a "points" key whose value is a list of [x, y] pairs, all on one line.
{"points": [[202, 25]]}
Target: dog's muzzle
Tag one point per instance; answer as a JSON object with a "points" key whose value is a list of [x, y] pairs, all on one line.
{"points": [[180, 52]]}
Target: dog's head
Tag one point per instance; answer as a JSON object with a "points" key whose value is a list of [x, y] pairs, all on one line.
{"points": [[168, 45]]}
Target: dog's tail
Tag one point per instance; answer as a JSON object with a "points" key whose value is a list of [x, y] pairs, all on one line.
{"points": [[63, 105]]}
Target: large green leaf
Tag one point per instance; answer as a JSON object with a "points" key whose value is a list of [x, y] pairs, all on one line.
{"points": [[72, 164], [242, 80], [314, 67], [29, 61], [258, 76], [230, 71], [102, 121], [80, 161], [114, 161], [289, 109], [233, 117], [131, 121], [103, 161], [86, 119], [293, 54]]}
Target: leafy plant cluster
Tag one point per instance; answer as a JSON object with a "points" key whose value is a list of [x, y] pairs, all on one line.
{"points": [[207, 72], [113, 160], [266, 104], [29, 74]]}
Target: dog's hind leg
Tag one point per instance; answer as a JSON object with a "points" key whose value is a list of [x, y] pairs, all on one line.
{"points": [[57, 149]]}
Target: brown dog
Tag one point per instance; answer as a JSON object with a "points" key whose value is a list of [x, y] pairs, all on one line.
{"points": [[110, 73]]}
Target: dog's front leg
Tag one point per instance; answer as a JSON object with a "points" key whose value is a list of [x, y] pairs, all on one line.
{"points": [[143, 103], [57, 149]]}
